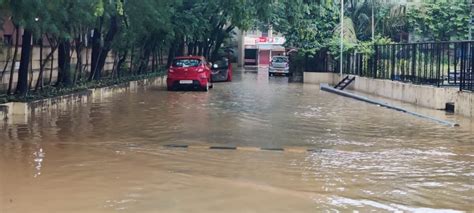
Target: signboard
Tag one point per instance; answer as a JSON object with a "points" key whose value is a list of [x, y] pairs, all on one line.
{"points": [[250, 41], [271, 40], [264, 40]]}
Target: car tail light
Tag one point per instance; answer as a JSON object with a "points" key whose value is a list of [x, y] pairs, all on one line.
{"points": [[171, 70]]}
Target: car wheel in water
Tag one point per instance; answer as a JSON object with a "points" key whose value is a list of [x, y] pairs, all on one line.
{"points": [[206, 88]]}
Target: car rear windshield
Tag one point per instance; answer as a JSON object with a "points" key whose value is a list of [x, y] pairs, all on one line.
{"points": [[186, 62], [280, 59]]}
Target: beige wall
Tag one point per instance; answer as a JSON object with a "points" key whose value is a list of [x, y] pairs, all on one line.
{"points": [[421, 95]]}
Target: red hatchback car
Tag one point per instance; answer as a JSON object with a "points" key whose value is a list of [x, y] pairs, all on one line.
{"points": [[189, 72]]}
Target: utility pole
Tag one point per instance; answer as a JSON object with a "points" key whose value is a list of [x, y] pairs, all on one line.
{"points": [[471, 20], [342, 37], [373, 20]]}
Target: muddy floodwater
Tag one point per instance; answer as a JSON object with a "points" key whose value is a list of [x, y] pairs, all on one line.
{"points": [[108, 154]]}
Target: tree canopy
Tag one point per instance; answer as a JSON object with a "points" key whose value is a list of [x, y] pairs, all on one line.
{"points": [[135, 30]]}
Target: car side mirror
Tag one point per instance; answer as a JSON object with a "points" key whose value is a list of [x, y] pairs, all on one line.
{"points": [[209, 64]]}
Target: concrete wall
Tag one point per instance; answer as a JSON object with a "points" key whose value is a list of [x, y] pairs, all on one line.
{"points": [[421, 95]]}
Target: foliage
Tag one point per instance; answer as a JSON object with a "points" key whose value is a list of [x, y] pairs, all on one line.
{"points": [[441, 21], [306, 25], [133, 30]]}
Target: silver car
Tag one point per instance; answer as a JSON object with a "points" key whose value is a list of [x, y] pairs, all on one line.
{"points": [[280, 65]]}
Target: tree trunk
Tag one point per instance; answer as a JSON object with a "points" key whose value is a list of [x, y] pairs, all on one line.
{"points": [[51, 70], [64, 64], [78, 69], [32, 73], [96, 51], [114, 65], [120, 63], [40, 75], [200, 49], [15, 53], [145, 60], [131, 60], [7, 61], [22, 86], [160, 56], [171, 55], [100, 58]]}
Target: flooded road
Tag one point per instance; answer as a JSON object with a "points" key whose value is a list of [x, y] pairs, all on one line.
{"points": [[108, 155]]}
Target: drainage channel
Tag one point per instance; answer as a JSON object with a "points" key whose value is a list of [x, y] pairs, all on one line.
{"points": [[236, 148]]}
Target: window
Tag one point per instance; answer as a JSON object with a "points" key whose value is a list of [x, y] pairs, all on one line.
{"points": [[186, 63], [8, 39]]}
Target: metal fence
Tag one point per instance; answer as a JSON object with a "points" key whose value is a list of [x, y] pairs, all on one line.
{"points": [[438, 63]]}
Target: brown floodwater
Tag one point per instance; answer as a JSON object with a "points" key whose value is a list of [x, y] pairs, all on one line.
{"points": [[107, 154]]}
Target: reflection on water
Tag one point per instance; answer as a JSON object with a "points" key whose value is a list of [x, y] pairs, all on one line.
{"points": [[107, 154]]}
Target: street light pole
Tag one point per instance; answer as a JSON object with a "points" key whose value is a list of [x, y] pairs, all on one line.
{"points": [[342, 37], [373, 21]]}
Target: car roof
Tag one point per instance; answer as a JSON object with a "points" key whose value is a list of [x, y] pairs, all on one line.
{"points": [[190, 57]]}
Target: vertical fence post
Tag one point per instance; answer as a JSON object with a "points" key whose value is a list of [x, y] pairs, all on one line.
{"points": [[471, 71], [463, 65], [392, 59], [413, 62], [438, 69], [375, 61]]}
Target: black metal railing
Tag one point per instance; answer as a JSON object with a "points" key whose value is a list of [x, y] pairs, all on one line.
{"points": [[437, 63]]}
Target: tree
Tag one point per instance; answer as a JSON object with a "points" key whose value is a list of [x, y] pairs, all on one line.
{"points": [[25, 15], [306, 25], [440, 21]]}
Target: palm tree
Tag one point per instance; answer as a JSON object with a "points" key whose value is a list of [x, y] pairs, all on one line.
{"points": [[367, 18]]}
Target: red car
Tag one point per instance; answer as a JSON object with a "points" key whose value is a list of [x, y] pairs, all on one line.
{"points": [[189, 72]]}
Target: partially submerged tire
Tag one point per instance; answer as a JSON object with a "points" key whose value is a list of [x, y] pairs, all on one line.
{"points": [[206, 88]]}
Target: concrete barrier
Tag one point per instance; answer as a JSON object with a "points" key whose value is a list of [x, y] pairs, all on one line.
{"points": [[421, 95], [18, 112], [326, 87]]}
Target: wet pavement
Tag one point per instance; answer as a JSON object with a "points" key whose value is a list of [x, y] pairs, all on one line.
{"points": [[109, 155]]}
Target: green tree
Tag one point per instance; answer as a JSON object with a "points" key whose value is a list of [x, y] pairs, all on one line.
{"points": [[306, 25], [440, 21]]}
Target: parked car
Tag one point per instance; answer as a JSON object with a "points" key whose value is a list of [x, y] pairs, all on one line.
{"points": [[279, 65], [221, 70], [192, 72]]}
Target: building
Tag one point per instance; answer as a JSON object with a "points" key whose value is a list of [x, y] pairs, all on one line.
{"points": [[257, 47]]}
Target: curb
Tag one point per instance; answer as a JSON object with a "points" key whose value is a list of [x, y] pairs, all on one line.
{"points": [[327, 88]]}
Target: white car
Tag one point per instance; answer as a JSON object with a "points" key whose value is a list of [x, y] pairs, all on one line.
{"points": [[280, 65]]}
